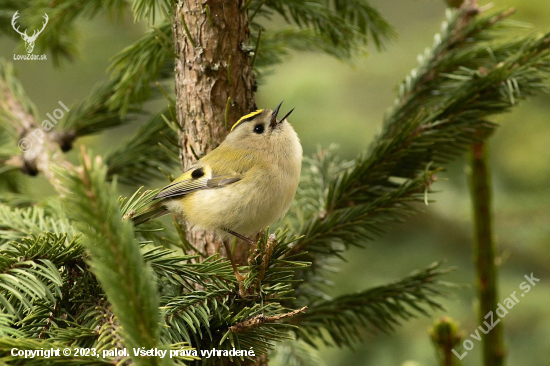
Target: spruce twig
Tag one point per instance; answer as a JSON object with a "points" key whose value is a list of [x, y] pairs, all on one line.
{"points": [[485, 250], [262, 319], [446, 337]]}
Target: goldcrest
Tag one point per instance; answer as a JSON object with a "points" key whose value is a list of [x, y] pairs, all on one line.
{"points": [[241, 187]]}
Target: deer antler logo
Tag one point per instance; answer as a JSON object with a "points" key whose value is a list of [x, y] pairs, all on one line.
{"points": [[29, 41]]}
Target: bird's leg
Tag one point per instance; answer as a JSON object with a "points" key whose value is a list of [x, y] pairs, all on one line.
{"points": [[242, 237], [239, 277]]}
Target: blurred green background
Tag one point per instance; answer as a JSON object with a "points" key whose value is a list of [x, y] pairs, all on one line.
{"points": [[344, 103]]}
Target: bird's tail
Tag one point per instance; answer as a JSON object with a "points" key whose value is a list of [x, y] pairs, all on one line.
{"points": [[150, 213]]}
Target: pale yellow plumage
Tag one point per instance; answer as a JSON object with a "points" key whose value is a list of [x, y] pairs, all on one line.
{"points": [[245, 184]]}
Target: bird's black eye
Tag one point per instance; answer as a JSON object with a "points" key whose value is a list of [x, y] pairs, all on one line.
{"points": [[259, 129]]}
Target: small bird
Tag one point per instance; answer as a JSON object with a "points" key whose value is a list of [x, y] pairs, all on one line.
{"points": [[245, 184]]}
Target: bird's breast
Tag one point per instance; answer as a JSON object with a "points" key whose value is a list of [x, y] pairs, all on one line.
{"points": [[260, 198]]}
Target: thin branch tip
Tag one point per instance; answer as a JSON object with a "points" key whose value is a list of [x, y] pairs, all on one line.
{"points": [[260, 319]]}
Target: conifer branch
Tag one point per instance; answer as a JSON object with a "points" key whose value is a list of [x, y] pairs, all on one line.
{"points": [[148, 8], [444, 107], [198, 316], [262, 319], [19, 112], [184, 275], [49, 320], [345, 317], [93, 114], [347, 24], [51, 266], [132, 72], [6, 329], [18, 223], [146, 288], [446, 337], [190, 317], [109, 333], [116, 260], [137, 66], [140, 157], [56, 248], [277, 44], [485, 252], [24, 282]]}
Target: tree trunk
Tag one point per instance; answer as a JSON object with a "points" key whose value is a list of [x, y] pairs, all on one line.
{"points": [[214, 84]]}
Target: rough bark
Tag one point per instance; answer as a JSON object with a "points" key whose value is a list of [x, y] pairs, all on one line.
{"points": [[214, 84]]}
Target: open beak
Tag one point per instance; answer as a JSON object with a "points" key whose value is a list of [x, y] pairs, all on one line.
{"points": [[274, 121]]}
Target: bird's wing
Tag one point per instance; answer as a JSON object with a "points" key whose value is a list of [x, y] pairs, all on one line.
{"points": [[150, 213], [196, 178]]}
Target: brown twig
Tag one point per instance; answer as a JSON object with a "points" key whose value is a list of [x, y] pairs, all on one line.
{"points": [[268, 250], [262, 319], [49, 320], [37, 152]]}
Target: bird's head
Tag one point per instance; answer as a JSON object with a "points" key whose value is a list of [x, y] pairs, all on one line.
{"points": [[262, 129]]}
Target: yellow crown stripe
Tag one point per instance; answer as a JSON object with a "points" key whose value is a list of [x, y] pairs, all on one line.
{"points": [[252, 114]]}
